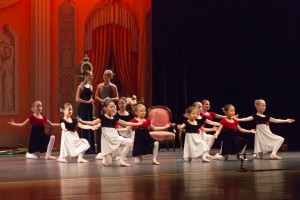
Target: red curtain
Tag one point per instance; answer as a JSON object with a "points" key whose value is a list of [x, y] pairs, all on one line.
{"points": [[125, 58]]}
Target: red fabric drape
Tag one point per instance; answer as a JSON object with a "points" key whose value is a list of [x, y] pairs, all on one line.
{"points": [[99, 56], [126, 60]]}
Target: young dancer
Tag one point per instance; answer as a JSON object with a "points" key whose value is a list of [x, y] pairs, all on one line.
{"points": [[86, 107], [110, 139], [71, 144], [231, 143], [143, 142], [209, 139], [265, 141], [39, 142], [194, 146]]}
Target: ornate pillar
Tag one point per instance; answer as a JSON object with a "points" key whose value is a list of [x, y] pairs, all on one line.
{"points": [[40, 51]]}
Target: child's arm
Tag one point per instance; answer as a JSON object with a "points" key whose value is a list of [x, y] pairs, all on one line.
{"points": [[63, 126], [127, 129], [12, 122], [242, 130], [245, 119], [209, 129], [91, 123], [155, 128], [218, 131], [88, 126], [273, 120], [124, 123], [182, 126], [52, 124], [207, 121]]}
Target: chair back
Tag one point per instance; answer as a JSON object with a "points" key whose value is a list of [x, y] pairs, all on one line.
{"points": [[159, 115]]}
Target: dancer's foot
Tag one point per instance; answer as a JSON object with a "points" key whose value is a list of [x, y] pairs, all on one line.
{"points": [[209, 156], [99, 156], [50, 158], [218, 157], [82, 160], [205, 159], [124, 164], [31, 156], [275, 157], [118, 158], [104, 163], [258, 155], [189, 159], [155, 162], [62, 160], [138, 160]]}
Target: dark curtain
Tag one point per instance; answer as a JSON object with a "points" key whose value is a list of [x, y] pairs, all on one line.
{"points": [[229, 52]]}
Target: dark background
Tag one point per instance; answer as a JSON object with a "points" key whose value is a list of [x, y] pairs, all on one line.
{"points": [[229, 52]]}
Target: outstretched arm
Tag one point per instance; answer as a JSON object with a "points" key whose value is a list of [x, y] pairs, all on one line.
{"points": [[208, 129], [91, 123], [242, 130], [53, 124], [245, 119], [124, 123], [273, 120], [156, 128], [12, 122], [207, 121], [88, 126]]}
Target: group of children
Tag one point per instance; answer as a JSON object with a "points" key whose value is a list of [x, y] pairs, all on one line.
{"points": [[119, 130], [198, 143], [123, 132]]}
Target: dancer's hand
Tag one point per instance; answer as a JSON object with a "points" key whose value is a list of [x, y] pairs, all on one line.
{"points": [[216, 135], [290, 120], [12, 122], [215, 128], [253, 131]]}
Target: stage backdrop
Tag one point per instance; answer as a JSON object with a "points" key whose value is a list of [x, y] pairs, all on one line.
{"points": [[229, 52]]}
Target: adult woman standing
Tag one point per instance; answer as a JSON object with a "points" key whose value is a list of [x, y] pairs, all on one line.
{"points": [[85, 108]]}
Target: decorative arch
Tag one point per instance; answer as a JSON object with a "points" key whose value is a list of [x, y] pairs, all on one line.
{"points": [[111, 38]]}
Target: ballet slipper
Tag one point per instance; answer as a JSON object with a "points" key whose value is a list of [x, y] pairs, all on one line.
{"points": [[275, 157], [138, 160], [259, 155], [204, 159], [154, 162], [209, 156], [50, 158], [104, 163], [124, 164], [62, 160], [31, 156], [82, 161]]}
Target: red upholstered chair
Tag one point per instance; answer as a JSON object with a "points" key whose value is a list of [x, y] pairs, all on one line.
{"points": [[160, 116]]}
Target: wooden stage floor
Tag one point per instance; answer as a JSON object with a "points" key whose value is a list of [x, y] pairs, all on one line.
{"points": [[173, 179]]}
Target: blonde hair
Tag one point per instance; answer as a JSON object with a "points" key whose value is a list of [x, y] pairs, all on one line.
{"points": [[108, 71], [258, 102], [196, 103]]}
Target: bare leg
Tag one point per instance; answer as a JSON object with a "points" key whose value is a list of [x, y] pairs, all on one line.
{"points": [[210, 141], [49, 149], [155, 152]]}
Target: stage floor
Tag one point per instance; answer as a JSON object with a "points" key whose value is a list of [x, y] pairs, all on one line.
{"points": [[24, 179]]}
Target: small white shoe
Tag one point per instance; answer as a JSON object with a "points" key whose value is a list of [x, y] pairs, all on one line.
{"points": [[99, 156], [31, 156]]}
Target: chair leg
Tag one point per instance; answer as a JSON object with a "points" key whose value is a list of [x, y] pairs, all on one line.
{"points": [[180, 139], [174, 145], [168, 146]]}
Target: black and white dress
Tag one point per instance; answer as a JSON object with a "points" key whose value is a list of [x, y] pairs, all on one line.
{"points": [[194, 146], [110, 138], [71, 144], [265, 140]]}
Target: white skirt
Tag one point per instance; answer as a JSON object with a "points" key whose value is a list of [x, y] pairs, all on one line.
{"points": [[265, 140], [110, 140], [194, 146], [71, 145]]}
